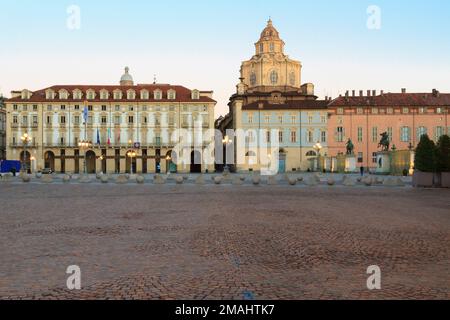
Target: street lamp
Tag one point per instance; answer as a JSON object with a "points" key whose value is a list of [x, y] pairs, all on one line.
{"points": [[226, 142], [25, 140], [84, 145], [131, 154]]}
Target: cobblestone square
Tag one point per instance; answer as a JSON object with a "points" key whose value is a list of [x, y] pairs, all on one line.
{"points": [[223, 241]]}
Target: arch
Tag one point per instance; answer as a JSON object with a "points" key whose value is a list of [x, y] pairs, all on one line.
{"points": [[91, 160], [311, 154], [25, 160], [196, 161], [49, 160], [250, 154]]}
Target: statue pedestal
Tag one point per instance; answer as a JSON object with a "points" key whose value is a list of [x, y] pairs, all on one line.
{"points": [[383, 163], [350, 163]]}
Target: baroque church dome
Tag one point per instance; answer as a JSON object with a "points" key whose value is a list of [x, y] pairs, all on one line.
{"points": [[269, 32]]}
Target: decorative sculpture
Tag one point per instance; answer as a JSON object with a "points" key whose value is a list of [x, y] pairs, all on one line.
{"points": [[350, 147], [384, 142]]}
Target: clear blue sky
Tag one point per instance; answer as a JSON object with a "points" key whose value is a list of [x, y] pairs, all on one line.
{"points": [[201, 43]]}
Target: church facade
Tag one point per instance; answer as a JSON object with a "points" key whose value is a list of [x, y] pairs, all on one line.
{"points": [[281, 118]]}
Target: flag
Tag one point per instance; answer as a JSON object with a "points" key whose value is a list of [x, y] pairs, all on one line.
{"points": [[98, 137], [85, 114], [109, 136]]}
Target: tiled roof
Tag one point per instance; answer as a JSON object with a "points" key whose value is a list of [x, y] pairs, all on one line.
{"points": [[393, 99], [294, 105], [182, 94]]}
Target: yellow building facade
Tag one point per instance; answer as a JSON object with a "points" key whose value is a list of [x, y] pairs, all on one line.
{"points": [[127, 128]]}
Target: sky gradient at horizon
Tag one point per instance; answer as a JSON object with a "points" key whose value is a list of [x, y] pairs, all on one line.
{"points": [[200, 43]]}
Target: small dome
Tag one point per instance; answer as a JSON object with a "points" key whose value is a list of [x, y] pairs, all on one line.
{"points": [[270, 32], [126, 79]]}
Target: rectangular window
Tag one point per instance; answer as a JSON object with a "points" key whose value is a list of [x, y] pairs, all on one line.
{"points": [[310, 137], [360, 134], [359, 110], [420, 132], [35, 107], [15, 119], [310, 119], [250, 118], [15, 107], [340, 110], [63, 107], [390, 110], [280, 119], [117, 120], [130, 119], [374, 110], [374, 157], [49, 120], [323, 119], [35, 119], [405, 135], [90, 120], [77, 107], [63, 119], [49, 108], [405, 110], [360, 157], [293, 119], [104, 120], [374, 134], [267, 119], [439, 132], [268, 136], [90, 108], [76, 120], [323, 136], [25, 120], [390, 134], [280, 136], [340, 134], [103, 108], [117, 108], [293, 136]]}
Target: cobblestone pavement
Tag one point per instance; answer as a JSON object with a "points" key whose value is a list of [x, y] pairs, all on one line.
{"points": [[223, 242]]}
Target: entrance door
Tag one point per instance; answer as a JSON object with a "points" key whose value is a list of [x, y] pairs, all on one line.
{"points": [[282, 163], [196, 162], [90, 161]]}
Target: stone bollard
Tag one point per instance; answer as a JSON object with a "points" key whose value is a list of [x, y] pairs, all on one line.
{"points": [[47, 178], [218, 180], [179, 180], [292, 181], [256, 180], [367, 181], [242, 177], [331, 182], [104, 179], [26, 178], [127, 176], [140, 179], [66, 178], [6, 177], [98, 176], [38, 175], [157, 179], [122, 179], [300, 179], [238, 181], [317, 177], [84, 179], [200, 180]]}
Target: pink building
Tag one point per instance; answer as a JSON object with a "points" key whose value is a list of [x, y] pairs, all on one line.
{"points": [[404, 116]]}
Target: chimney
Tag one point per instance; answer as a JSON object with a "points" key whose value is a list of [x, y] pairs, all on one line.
{"points": [[368, 93], [382, 93], [346, 93], [403, 90], [360, 93], [435, 93], [353, 93], [374, 93]]}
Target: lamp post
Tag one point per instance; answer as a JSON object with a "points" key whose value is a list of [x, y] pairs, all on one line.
{"points": [[131, 154], [226, 142], [318, 147], [84, 145], [25, 140]]}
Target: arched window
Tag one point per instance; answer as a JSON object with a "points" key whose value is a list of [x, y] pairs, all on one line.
{"points": [[272, 47], [250, 154], [311, 154], [253, 78], [274, 77]]}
